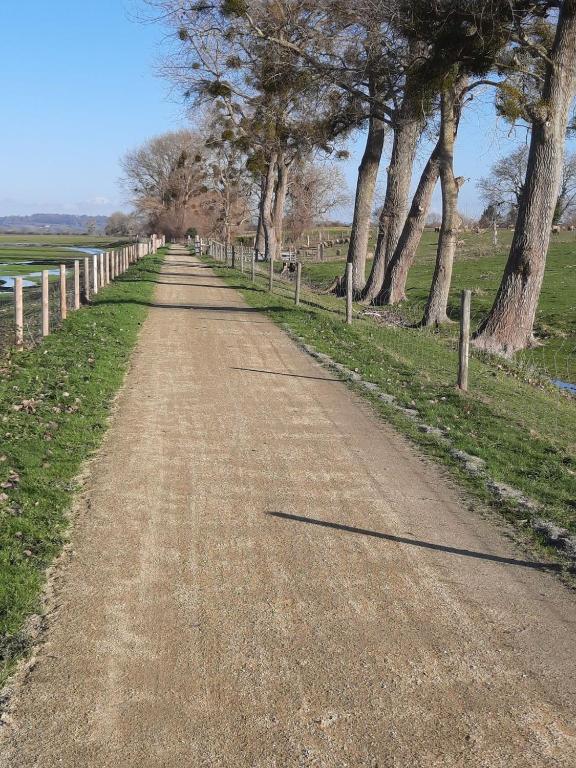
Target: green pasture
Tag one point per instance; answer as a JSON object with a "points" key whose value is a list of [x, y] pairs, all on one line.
{"points": [[479, 267]]}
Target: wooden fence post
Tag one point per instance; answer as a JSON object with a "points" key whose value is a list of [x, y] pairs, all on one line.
{"points": [[242, 259], [271, 275], [76, 285], [19, 311], [101, 270], [254, 266], [349, 288], [45, 303], [107, 266], [87, 277], [464, 346], [63, 303], [233, 257], [94, 274], [298, 282]]}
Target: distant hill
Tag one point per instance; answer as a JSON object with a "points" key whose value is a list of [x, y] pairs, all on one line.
{"points": [[54, 223]]}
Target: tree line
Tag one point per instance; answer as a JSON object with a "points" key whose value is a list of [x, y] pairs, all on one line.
{"points": [[285, 81]]}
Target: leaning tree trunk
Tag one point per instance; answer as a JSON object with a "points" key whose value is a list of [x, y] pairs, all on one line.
{"points": [[366, 184], [436, 307], [279, 205], [509, 325], [394, 287], [266, 207], [407, 129], [260, 241]]}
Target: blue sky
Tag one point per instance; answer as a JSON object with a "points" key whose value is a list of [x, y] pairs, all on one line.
{"points": [[79, 89]]}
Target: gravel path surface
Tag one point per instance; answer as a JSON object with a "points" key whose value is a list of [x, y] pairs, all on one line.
{"points": [[264, 575]]}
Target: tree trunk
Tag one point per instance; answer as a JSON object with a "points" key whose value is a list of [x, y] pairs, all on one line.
{"points": [[509, 325], [279, 204], [407, 129], [435, 312], [267, 203], [260, 242], [366, 184], [394, 287]]}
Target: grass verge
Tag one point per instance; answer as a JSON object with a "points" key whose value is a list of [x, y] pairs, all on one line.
{"points": [[524, 433], [479, 267], [54, 401]]}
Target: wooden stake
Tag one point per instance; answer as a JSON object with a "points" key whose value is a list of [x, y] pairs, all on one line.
{"points": [[63, 304], [271, 275], [19, 311], [94, 274], [349, 293], [298, 282], [87, 277], [464, 347], [254, 266], [76, 285], [45, 303]]}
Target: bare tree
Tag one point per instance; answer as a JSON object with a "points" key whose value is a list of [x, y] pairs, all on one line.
{"points": [[121, 224], [163, 177], [509, 325], [505, 184], [315, 189], [279, 112], [462, 41], [227, 180], [450, 110]]}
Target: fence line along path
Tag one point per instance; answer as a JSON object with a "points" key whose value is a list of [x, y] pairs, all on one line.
{"points": [[29, 314], [264, 574]]}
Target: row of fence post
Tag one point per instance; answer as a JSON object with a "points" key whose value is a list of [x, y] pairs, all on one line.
{"points": [[99, 270], [220, 252]]}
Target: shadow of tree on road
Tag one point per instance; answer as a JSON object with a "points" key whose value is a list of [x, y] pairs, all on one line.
{"points": [[416, 542]]}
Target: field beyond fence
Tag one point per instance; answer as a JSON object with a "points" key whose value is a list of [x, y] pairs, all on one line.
{"points": [[36, 303]]}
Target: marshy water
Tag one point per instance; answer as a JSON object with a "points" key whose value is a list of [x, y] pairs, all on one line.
{"points": [[31, 279]]}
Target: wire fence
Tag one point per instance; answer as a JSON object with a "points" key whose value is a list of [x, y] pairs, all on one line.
{"points": [[30, 310]]}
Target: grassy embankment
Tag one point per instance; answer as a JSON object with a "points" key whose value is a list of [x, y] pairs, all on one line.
{"points": [[54, 401], [479, 267], [526, 434]]}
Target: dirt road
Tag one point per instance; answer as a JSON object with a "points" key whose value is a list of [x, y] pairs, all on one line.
{"points": [[267, 576]]}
